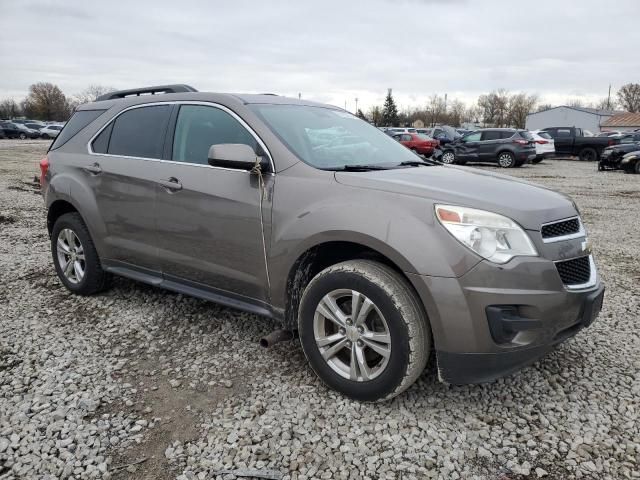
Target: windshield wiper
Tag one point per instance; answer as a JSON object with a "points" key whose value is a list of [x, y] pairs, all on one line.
{"points": [[359, 168], [418, 163]]}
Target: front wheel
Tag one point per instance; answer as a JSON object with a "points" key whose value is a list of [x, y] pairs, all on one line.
{"points": [[448, 157], [22, 136], [506, 160], [46, 136], [363, 330]]}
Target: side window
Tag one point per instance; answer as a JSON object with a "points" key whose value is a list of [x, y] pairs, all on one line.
{"points": [[563, 133], [101, 142], [198, 127], [407, 138], [472, 137], [506, 134], [140, 132], [491, 135], [552, 132]]}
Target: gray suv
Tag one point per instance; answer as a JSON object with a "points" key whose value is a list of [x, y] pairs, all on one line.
{"points": [[303, 213]]}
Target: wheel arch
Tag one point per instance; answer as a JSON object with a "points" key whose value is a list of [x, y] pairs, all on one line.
{"points": [[322, 255]]}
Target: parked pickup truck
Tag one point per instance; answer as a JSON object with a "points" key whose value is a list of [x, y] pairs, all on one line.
{"points": [[572, 141]]}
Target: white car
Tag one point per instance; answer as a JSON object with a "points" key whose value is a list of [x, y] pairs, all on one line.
{"points": [[50, 131], [545, 146]]}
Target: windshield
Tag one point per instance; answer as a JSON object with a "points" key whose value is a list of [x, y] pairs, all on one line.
{"points": [[424, 136], [332, 139]]}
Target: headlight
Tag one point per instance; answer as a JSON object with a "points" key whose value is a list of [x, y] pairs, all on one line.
{"points": [[492, 236]]}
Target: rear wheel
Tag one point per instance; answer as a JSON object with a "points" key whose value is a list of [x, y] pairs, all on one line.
{"points": [[46, 136], [636, 167], [449, 157], [506, 160], [75, 257], [363, 330], [22, 136], [588, 155]]}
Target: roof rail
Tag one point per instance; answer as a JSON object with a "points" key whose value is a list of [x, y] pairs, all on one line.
{"points": [[178, 88]]}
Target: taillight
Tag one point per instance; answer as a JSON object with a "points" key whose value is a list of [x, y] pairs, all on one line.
{"points": [[541, 142], [612, 142], [521, 142], [44, 168]]}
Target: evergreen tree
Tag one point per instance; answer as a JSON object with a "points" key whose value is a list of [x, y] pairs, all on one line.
{"points": [[390, 111], [361, 115]]}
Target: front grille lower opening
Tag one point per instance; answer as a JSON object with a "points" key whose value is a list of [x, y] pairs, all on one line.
{"points": [[575, 271]]}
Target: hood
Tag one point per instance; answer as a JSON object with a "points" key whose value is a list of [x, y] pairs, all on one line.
{"points": [[528, 204], [625, 147]]}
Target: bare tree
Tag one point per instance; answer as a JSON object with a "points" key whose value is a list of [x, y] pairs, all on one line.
{"points": [[521, 105], [576, 102], [495, 107], [46, 102], [456, 113], [9, 109], [543, 107], [91, 93], [435, 110], [375, 115], [605, 103], [629, 97]]}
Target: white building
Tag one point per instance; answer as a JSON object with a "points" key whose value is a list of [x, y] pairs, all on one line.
{"points": [[564, 116]]}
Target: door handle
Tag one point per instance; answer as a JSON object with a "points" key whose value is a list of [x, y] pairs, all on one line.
{"points": [[172, 184], [93, 169]]}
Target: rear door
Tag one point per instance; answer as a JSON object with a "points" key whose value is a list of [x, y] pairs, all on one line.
{"points": [[122, 171], [209, 220], [468, 147], [488, 145]]}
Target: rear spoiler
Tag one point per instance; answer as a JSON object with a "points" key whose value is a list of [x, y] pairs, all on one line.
{"points": [[178, 88]]}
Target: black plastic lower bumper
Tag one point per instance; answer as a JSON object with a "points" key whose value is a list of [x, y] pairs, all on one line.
{"points": [[463, 368]]}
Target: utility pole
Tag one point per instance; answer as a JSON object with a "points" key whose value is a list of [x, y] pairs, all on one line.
{"points": [[609, 99], [299, 95], [356, 105], [345, 104]]}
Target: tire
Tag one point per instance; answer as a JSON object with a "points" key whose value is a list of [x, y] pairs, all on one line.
{"points": [[93, 278], [636, 168], [448, 157], [537, 160], [588, 155], [506, 160], [46, 136], [22, 136], [396, 317]]}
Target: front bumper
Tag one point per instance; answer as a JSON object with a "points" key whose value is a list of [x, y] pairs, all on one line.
{"points": [[498, 318]]}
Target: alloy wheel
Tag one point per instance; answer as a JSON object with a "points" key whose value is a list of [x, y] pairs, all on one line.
{"points": [[71, 256], [448, 158], [505, 160], [352, 335]]}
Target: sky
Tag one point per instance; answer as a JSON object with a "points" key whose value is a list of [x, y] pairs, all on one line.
{"points": [[328, 51]]}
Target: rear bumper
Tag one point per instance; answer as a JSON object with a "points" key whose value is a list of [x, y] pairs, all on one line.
{"points": [[496, 319]]}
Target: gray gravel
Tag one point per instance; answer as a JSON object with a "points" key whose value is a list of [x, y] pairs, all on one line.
{"points": [[142, 383]]}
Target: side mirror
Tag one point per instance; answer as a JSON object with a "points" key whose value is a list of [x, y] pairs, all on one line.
{"points": [[234, 155]]}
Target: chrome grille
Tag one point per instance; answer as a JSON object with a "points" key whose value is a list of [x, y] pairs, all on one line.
{"points": [[562, 228]]}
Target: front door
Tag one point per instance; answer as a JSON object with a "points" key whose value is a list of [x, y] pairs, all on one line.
{"points": [[121, 171], [209, 220], [467, 147]]}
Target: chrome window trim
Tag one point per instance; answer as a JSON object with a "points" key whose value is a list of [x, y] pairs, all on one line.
{"points": [[183, 102], [593, 275], [580, 233]]}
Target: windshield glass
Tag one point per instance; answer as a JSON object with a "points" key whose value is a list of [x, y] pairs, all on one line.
{"points": [[331, 139]]}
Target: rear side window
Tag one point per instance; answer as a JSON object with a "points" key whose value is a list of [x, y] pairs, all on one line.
{"points": [[77, 122], [101, 142], [525, 134], [140, 132], [544, 135], [198, 127], [491, 135], [563, 133]]}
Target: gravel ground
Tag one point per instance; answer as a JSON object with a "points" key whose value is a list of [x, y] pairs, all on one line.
{"points": [[141, 383]]}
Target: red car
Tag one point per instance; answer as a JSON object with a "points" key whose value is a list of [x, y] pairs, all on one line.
{"points": [[418, 142]]}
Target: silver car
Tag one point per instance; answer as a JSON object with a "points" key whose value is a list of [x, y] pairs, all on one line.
{"points": [[304, 213]]}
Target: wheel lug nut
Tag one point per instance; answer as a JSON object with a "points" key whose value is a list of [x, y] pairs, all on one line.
{"points": [[349, 321], [360, 330], [360, 343], [342, 331], [348, 344]]}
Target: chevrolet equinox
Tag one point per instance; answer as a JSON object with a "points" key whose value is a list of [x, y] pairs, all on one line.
{"points": [[303, 213]]}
